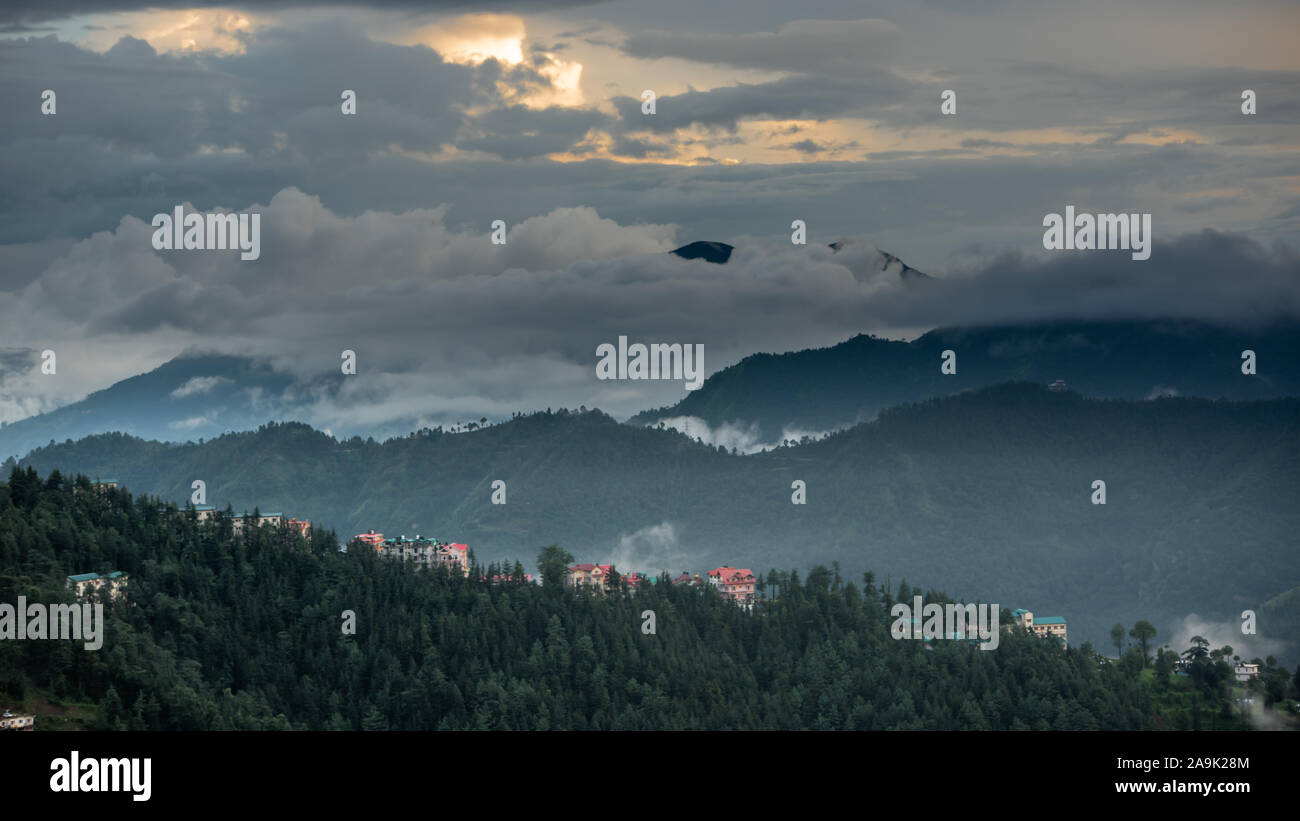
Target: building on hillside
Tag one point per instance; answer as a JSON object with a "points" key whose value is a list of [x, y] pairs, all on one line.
{"points": [[302, 526], [1053, 626], [597, 576], [455, 554], [498, 578], [1245, 672], [687, 578], [100, 486], [238, 523], [1058, 385], [84, 583], [205, 512], [423, 552], [638, 580], [375, 540], [10, 721], [736, 584]]}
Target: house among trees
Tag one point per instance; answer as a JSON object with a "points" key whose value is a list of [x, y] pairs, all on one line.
{"points": [[1058, 385], [596, 576], [85, 582], [9, 721], [237, 523], [205, 513], [498, 578], [638, 580], [1245, 672], [423, 552], [1053, 626], [736, 584]]}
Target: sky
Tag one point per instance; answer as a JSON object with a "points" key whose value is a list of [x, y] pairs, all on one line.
{"points": [[375, 226]]}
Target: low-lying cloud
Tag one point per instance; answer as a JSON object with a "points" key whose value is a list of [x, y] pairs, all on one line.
{"points": [[447, 326]]}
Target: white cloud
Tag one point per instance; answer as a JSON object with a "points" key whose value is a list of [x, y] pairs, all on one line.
{"points": [[192, 423], [199, 385], [650, 550], [737, 435], [1223, 633]]}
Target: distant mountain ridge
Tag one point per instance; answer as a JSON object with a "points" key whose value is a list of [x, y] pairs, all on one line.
{"points": [[190, 397], [831, 388], [198, 396]]}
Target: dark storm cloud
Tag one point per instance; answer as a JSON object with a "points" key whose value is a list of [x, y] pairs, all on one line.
{"points": [[137, 131], [640, 149], [279, 99], [807, 147], [835, 47], [519, 132]]}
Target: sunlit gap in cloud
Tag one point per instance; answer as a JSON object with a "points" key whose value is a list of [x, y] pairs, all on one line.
{"points": [[473, 39], [214, 29]]}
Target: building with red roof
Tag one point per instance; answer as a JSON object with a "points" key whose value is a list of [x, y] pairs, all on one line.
{"points": [[597, 576], [734, 583]]}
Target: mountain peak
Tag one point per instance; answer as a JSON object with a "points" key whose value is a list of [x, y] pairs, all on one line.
{"points": [[884, 261], [715, 252]]}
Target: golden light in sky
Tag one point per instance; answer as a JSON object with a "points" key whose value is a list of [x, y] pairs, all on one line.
{"points": [[184, 30], [474, 38]]}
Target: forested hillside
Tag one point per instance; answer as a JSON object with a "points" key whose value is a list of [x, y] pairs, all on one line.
{"points": [[986, 493], [218, 632]]}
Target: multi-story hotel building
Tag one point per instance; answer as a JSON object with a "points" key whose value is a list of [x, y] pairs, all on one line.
{"points": [[736, 584], [1053, 626], [597, 576], [83, 583], [423, 552]]}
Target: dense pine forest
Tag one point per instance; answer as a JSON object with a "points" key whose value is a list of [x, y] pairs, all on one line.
{"points": [[245, 631]]}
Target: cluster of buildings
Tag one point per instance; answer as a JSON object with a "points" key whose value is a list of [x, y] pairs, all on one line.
{"points": [[1053, 626], [424, 552], [735, 584], [85, 583], [206, 513]]}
